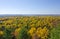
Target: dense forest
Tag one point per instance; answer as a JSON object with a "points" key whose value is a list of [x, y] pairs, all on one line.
{"points": [[30, 27]]}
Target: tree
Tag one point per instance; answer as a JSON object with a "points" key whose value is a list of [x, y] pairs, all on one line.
{"points": [[23, 34], [55, 33]]}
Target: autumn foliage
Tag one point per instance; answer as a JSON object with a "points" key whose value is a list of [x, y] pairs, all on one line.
{"points": [[34, 27]]}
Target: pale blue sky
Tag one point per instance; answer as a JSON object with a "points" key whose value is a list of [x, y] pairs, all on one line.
{"points": [[29, 6]]}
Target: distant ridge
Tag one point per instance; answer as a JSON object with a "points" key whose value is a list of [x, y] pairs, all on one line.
{"points": [[3, 15]]}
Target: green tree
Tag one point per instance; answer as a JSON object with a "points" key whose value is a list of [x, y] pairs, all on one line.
{"points": [[8, 33], [23, 34], [55, 33]]}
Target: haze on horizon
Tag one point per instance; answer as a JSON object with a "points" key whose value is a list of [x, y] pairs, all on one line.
{"points": [[29, 7]]}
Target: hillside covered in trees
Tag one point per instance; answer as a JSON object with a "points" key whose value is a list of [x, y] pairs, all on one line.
{"points": [[30, 27]]}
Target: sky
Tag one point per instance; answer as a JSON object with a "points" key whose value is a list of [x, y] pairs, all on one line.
{"points": [[29, 6]]}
